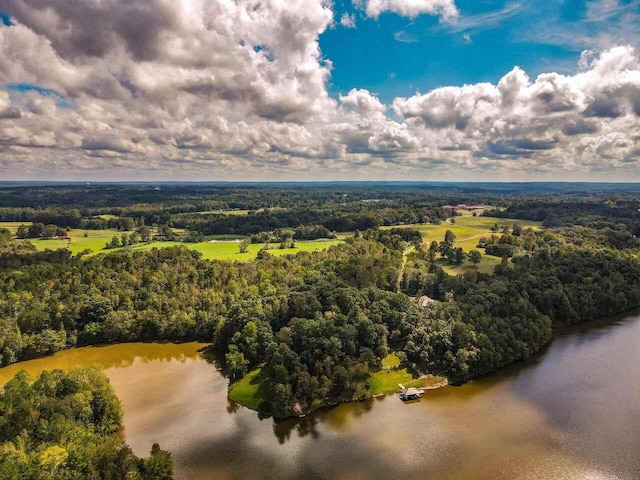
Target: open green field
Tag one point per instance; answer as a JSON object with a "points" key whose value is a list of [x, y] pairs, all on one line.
{"points": [[13, 226], [230, 250], [344, 235], [247, 391], [226, 236], [487, 265], [469, 213], [218, 250], [467, 229], [94, 241]]}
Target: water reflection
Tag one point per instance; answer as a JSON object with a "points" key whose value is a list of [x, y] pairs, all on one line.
{"points": [[302, 426], [119, 356], [573, 412]]}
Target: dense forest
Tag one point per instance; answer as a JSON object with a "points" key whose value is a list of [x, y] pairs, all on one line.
{"points": [[64, 426], [617, 220], [341, 207], [318, 323], [339, 218]]}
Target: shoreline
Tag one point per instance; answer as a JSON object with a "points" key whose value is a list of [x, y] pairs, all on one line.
{"points": [[558, 332], [425, 388]]}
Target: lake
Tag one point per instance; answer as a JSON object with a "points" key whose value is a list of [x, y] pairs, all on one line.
{"points": [[573, 412]]}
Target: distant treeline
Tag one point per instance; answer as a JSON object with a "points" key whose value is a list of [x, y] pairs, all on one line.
{"points": [[337, 207], [117, 198], [618, 220], [112, 198], [338, 219]]}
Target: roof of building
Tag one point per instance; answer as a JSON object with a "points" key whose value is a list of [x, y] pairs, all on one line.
{"points": [[412, 392], [423, 301], [463, 206]]}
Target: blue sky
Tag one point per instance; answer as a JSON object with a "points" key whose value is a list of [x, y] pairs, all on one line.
{"points": [[395, 56], [16, 90], [320, 90]]}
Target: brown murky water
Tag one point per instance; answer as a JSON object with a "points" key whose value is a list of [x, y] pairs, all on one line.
{"points": [[572, 413]]}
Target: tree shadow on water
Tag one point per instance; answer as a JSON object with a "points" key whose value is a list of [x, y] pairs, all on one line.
{"points": [[302, 426]]}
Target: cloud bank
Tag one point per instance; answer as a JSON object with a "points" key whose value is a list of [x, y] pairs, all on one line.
{"points": [[238, 90]]}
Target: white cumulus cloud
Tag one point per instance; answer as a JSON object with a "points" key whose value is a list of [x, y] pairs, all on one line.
{"points": [[446, 9], [239, 89], [362, 101], [348, 20]]}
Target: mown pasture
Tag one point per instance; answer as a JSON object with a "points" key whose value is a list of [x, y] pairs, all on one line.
{"points": [[468, 230]]}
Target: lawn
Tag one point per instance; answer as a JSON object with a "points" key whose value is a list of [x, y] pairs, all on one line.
{"points": [[247, 390], [392, 374], [387, 380], [390, 361], [467, 229]]}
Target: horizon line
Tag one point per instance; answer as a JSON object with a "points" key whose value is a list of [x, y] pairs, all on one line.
{"points": [[306, 182]]}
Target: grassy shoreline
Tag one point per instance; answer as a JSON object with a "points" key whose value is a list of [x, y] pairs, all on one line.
{"points": [[385, 381]]}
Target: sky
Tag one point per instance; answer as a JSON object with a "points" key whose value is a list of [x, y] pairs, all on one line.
{"points": [[286, 90]]}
